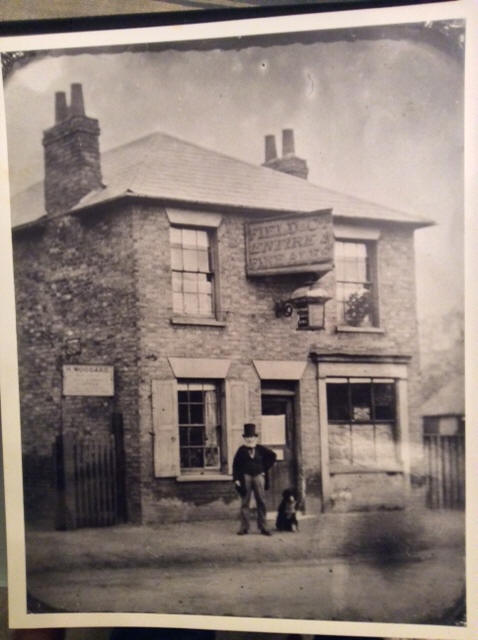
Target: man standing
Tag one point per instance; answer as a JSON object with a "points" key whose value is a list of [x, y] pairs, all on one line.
{"points": [[250, 474]]}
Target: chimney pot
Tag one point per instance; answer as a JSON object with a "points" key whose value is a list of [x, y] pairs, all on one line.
{"points": [[288, 142], [77, 107], [61, 108], [270, 150]]}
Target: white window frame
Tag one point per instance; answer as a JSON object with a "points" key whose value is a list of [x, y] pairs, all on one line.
{"points": [[208, 222], [369, 236]]}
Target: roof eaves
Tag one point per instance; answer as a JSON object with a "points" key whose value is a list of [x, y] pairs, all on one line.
{"points": [[168, 199]]}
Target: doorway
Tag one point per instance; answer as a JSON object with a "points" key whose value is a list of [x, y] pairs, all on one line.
{"points": [[278, 433]]}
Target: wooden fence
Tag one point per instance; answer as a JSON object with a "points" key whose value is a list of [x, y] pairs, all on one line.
{"points": [[90, 480], [446, 471]]}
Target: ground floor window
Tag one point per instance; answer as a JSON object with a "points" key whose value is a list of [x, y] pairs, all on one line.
{"points": [[362, 417], [200, 429]]}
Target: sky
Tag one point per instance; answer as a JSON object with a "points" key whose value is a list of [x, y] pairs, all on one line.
{"points": [[380, 118]]}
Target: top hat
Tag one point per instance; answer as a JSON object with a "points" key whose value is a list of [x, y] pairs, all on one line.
{"points": [[249, 430]]}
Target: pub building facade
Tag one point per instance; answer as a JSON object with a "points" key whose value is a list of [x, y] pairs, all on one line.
{"points": [[180, 293]]}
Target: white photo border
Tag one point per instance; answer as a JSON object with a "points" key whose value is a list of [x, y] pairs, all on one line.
{"points": [[19, 618]]}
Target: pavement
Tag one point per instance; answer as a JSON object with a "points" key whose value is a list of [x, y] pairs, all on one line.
{"points": [[382, 536], [405, 567]]}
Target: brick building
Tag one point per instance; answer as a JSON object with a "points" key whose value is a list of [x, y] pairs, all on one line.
{"points": [[215, 292]]}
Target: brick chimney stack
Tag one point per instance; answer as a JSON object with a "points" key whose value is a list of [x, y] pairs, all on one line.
{"points": [[289, 163], [71, 153]]}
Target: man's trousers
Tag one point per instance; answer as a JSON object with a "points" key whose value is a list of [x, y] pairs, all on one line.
{"points": [[253, 485]]}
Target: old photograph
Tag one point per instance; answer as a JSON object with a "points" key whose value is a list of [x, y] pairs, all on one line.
{"points": [[240, 334]]}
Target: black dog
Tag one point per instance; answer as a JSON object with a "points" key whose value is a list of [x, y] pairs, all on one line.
{"points": [[286, 513]]}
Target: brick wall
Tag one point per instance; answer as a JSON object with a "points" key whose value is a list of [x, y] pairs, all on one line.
{"points": [[74, 279]]}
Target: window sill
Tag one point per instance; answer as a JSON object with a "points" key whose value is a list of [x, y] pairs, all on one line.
{"points": [[347, 329], [204, 477], [197, 320], [338, 469]]}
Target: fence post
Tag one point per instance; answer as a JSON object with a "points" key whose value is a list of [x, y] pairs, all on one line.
{"points": [[60, 516], [118, 432]]}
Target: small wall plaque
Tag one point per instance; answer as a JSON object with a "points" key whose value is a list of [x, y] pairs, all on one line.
{"points": [[88, 380]]}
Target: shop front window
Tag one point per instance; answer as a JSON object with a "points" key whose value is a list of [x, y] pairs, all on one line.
{"points": [[361, 415]]}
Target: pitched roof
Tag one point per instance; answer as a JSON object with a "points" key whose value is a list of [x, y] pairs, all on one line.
{"points": [[164, 167], [449, 400]]}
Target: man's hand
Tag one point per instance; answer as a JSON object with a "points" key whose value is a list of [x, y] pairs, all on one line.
{"points": [[237, 483]]}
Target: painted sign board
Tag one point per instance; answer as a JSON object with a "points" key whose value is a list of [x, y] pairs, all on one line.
{"points": [[88, 380], [297, 243]]}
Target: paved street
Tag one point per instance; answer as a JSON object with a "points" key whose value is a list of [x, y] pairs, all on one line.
{"points": [[389, 566], [416, 590]]}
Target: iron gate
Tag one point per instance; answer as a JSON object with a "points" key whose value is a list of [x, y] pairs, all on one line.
{"points": [[90, 474]]}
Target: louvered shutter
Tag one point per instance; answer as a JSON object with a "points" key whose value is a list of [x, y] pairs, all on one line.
{"points": [[166, 430], [237, 412]]}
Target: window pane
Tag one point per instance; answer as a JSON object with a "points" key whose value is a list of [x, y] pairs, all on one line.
{"points": [[184, 458], [357, 306], [178, 306], [190, 258], [203, 261], [191, 304], [196, 457], [361, 401], [176, 259], [340, 444], [196, 436], [202, 239], [211, 455], [384, 395], [337, 401], [189, 238], [190, 282], [205, 305], [197, 414], [177, 281], [183, 414], [204, 283], [175, 235], [385, 444], [363, 445]]}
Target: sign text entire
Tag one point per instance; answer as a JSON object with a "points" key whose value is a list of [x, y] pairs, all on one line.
{"points": [[87, 380], [290, 244]]}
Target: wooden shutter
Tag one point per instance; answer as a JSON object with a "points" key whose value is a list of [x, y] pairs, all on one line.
{"points": [[166, 430], [237, 412]]}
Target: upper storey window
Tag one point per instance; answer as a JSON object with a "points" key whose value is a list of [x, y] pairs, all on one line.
{"points": [[192, 271], [356, 283]]}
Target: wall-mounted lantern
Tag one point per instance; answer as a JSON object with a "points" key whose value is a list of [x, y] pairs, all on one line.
{"points": [[309, 302]]}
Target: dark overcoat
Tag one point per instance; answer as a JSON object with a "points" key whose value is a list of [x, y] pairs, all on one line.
{"points": [[268, 457]]}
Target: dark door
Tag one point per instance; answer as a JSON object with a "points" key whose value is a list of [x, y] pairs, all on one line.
{"points": [[278, 433]]}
